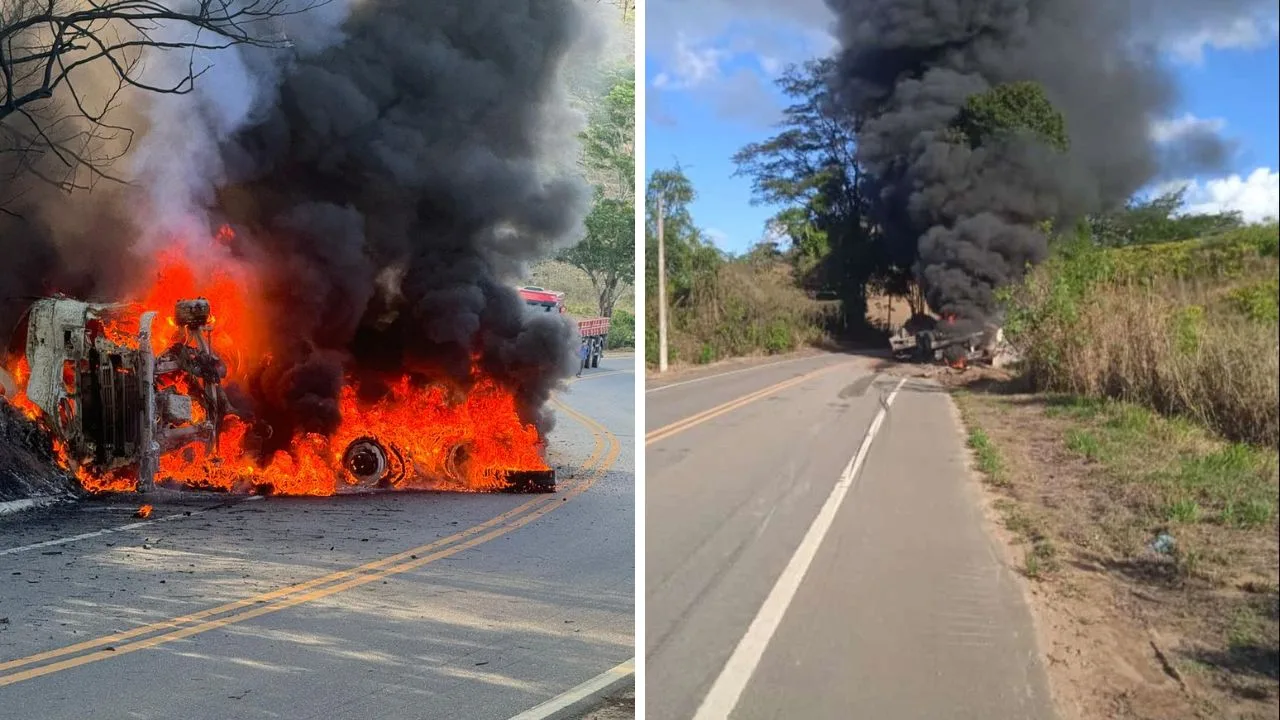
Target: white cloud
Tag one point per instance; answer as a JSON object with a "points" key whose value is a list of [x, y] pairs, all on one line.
{"points": [[1171, 129], [691, 64], [1247, 32], [718, 237], [708, 48], [1256, 197]]}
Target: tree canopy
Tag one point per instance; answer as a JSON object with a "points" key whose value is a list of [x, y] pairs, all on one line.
{"points": [[1011, 108], [827, 202], [607, 252]]}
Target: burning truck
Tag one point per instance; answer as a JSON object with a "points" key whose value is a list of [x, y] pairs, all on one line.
{"points": [[924, 339], [135, 396]]}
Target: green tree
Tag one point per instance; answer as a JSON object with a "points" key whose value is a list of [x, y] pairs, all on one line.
{"points": [[609, 141], [1157, 220], [1011, 108], [607, 253], [810, 170], [691, 259]]}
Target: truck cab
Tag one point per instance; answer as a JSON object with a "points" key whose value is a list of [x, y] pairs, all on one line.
{"points": [[542, 300], [593, 331]]}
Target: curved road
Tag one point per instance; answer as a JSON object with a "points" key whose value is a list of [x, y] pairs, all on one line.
{"points": [[407, 606], [795, 568]]}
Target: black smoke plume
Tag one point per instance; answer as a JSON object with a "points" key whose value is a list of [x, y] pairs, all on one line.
{"points": [[390, 178], [905, 69]]}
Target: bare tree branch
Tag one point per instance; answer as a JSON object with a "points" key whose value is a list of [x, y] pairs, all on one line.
{"points": [[49, 129]]}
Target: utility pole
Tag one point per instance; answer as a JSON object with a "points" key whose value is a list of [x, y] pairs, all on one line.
{"points": [[662, 294]]}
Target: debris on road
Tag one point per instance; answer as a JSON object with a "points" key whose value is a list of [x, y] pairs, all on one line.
{"points": [[143, 512]]}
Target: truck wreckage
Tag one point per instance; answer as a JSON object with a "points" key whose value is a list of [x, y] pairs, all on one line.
{"points": [[924, 339], [117, 406]]}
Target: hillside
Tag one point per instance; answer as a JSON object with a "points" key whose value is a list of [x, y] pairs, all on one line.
{"points": [[580, 299]]}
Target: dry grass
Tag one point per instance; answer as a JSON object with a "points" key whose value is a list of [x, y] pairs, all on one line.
{"points": [[1170, 350], [1201, 342], [742, 309]]}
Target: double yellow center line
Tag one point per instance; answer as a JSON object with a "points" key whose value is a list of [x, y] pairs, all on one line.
{"points": [[680, 426], [605, 453]]}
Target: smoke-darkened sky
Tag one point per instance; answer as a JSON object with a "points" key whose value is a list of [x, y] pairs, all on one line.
{"points": [[715, 59]]}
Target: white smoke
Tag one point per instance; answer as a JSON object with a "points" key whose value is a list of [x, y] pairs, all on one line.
{"points": [[177, 161]]}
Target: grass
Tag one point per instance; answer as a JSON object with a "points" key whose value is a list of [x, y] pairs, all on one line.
{"points": [[1186, 475], [1086, 485], [988, 458], [1187, 329]]}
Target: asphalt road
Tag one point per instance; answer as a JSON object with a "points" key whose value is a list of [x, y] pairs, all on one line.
{"points": [[390, 606], [894, 603]]}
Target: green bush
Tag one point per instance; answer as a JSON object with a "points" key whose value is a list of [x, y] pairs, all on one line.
{"points": [[622, 330], [778, 338], [739, 308], [1258, 301], [1185, 328]]}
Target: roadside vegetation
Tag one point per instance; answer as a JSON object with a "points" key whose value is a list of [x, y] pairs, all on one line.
{"points": [[1134, 459], [1188, 327], [719, 305], [1151, 543], [597, 275]]}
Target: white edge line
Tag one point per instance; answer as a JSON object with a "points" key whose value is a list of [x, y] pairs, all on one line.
{"points": [[728, 687], [9, 507], [111, 530], [726, 374], [589, 690]]}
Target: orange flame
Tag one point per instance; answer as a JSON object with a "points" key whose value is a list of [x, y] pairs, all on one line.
{"points": [[144, 512], [441, 441], [21, 372]]}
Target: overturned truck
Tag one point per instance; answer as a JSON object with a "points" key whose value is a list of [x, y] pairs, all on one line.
{"points": [[924, 339], [109, 397], [118, 402]]}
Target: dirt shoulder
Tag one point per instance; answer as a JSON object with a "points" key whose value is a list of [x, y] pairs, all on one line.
{"points": [[1150, 550]]}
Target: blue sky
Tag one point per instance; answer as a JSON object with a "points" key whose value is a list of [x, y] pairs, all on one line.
{"points": [[710, 66]]}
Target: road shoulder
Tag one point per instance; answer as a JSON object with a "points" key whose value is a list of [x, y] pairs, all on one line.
{"points": [[907, 611], [617, 707], [1080, 496]]}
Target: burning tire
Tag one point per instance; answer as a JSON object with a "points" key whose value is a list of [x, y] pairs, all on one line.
{"points": [[368, 463]]}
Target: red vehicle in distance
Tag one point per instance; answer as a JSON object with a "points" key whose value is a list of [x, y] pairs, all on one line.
{"points": [[593, 331]]}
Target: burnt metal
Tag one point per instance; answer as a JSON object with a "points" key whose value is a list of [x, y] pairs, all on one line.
{"points": [[194, 313], [367, 461], [105, 398], [530, 481]]}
